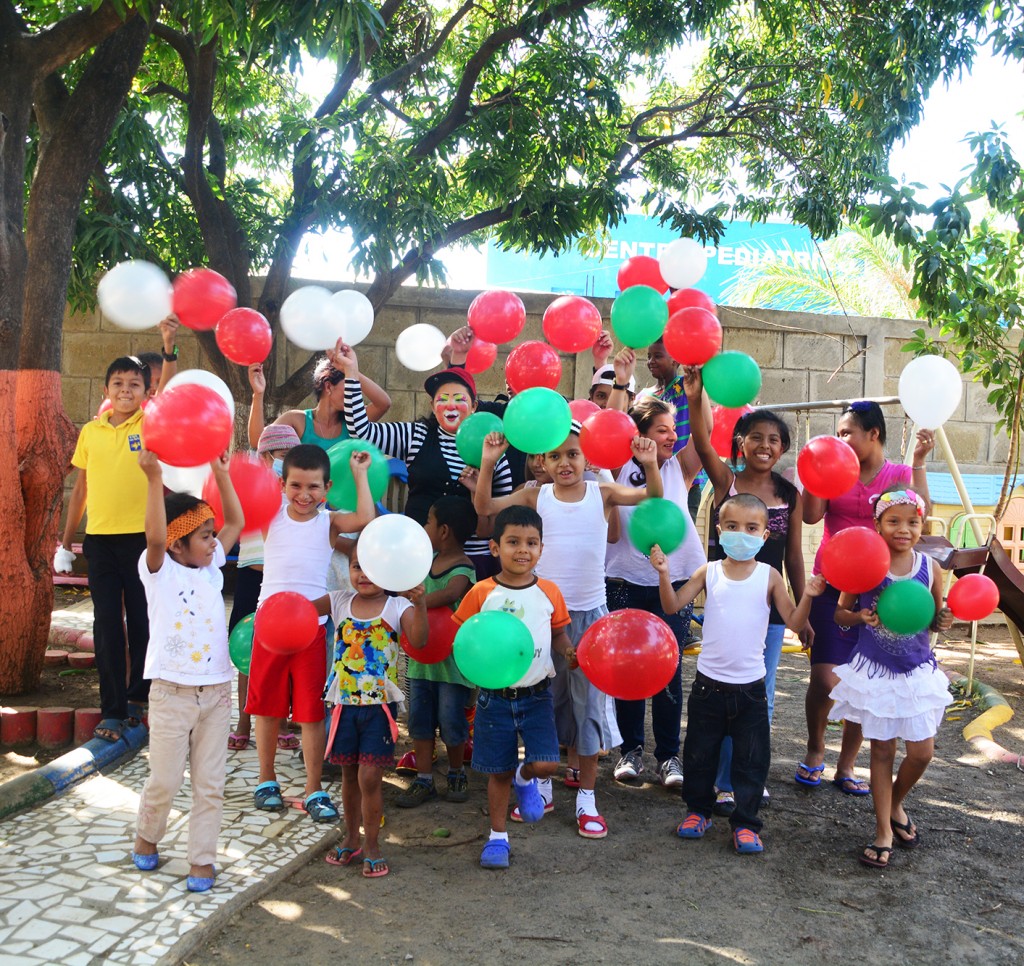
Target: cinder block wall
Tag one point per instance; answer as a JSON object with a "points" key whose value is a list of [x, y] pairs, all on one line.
{"points": [[803, 357]]}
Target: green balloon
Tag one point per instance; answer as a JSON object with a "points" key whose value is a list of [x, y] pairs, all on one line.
{"points": [[493, 649], [639, 316], [906, 607], [342, 494], [732, 379], [240, 643], [537, 420], [469, 438], [657, 521]]}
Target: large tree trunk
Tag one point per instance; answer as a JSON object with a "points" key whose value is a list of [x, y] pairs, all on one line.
{"points": [[36, 436]]}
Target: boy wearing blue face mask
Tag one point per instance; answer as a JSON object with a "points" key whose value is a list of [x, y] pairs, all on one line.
{"points": [[274, 443], [728, 698]]}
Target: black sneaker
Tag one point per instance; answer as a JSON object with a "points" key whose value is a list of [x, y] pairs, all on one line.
{"points": [[416, 794], [458, 786], [725, 804], [630, 766]]}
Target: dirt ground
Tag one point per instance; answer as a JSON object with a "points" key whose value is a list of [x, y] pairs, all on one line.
{"points": [[644, 895]]}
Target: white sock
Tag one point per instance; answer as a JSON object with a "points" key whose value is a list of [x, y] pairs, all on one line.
{"points": [[586, 803], [519, 776], [546, 791], [498, 836]]}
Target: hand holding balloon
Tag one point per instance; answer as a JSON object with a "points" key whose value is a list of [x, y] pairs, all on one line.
{"points": [[468, 478], [625, 366], [416, 596], [815, 587], [645, 450], [150, 465], [359, 462], [257, 381], [924, 445], [457, 348], [571, 661], [168, 328], [658, 560], [869, 616], [693, 382], [343, 358], [943, 620], [602, 348], [494, 445]]}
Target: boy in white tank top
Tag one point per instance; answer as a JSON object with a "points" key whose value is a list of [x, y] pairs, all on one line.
{"points": [[728, 696]]}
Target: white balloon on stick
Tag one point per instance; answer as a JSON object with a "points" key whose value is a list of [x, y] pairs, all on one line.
{"points": [[930, 390]]}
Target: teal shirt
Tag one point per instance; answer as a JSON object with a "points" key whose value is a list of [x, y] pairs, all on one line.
{"points": [[446, 671], [311, 437]]}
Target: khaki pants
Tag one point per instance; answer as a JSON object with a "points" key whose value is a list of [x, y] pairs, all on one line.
{"points": [[187, 723]]}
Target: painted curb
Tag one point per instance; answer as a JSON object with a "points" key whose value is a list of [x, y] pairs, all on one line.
{"points": [[997, 711], [55, 777]]}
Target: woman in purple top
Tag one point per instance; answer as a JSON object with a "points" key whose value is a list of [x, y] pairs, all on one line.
{"points": [[862, 426]]}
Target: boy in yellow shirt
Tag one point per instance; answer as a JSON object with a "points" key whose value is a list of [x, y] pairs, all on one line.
{"points": [[111, 490]]}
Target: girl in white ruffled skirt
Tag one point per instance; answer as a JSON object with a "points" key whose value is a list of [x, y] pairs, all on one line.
{"points": [[891, 685]]}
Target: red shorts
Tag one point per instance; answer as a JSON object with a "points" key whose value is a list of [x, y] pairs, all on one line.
{"points": [[279, 683]]}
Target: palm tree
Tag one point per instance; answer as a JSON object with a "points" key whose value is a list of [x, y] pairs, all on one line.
{"points": [[858, 273]]}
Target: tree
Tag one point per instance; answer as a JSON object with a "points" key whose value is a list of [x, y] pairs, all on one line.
{"points": [[858, 272], [968, 275], [537, 121]]}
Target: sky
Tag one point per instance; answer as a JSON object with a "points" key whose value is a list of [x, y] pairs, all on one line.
{"points": [[933, 154]]}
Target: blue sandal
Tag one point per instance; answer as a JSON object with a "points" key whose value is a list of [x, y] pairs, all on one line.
{"points": [[267, 796], [815, 780], [321, 808], [201, 883], [145, 863], [495, 854]]}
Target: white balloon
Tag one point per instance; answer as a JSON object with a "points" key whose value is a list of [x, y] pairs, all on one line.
{"points": [[395, 552], [683, 263], [930, 390], [419, 347], [185, 479], [135, 295], [201, 377], [356, 314], [310, 319]]}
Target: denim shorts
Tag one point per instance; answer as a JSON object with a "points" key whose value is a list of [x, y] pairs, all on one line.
{"points": [[501, 722], [434, 704], [363, 737]]}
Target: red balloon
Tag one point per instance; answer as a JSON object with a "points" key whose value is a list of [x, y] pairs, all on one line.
{"points": [[606, 438], [685, 298], [440, 638], [481, 356], [827, 467], [973, 597], [244, 336], [629, 654], [572, 323], [583, 409], [532, 364], [497, 316], [641, 270], [286, 623], [105, 406], [201, 296], [258, 489], [855, 560], [187, 425], [725, 425], [692, 336]]}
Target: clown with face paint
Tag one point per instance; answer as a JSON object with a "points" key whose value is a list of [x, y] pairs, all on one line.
{"points": [[428, 445]]}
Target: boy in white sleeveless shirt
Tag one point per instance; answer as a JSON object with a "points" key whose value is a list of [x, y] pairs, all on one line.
{"points": [[728, 696]]}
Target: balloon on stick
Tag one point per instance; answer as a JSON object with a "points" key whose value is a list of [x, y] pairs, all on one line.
{"points": [[973, 597], [469, 437], [855, 560], [629, 654], [732, 379], [606, 438], [683, 263], [286, 623], [187, 425], [638, 316], [244, 336], [930, 389], [395, 552], [828, 467], [493, 649], [571, 323], [537, 420], [135, 295], [419, 347], [202, 297], [497, 316], [532, 364]]}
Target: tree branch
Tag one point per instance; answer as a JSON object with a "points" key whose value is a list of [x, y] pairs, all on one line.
{"points": [[68, 39]]}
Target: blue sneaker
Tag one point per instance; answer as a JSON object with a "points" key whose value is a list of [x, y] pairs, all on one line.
{"points": [[531, 805], [746, 841], [495, 854], [199, 883]]}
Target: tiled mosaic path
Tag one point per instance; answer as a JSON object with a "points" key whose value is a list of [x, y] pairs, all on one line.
{"points": [[69, 893]]}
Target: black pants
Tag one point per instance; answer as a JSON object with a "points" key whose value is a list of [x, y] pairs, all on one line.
{"points": [[712, 713], [248, 581], [118, 597]]}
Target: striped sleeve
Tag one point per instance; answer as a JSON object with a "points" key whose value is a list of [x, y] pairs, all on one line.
{"points": [[395, 439]]}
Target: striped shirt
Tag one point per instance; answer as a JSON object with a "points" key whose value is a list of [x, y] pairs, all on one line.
{"points": [[404, 441]]}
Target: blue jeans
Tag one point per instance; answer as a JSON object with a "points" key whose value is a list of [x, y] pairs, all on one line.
{"points": [[772, 654], [714, 712], [434, 704], [667, 704], [500, 722]]}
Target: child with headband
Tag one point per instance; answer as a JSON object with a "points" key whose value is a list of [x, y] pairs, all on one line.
{"points": [[891, 685]]}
